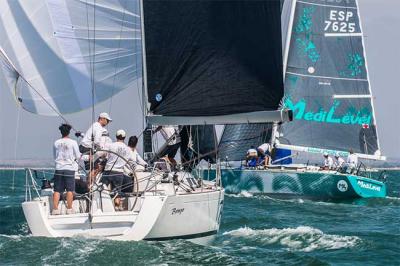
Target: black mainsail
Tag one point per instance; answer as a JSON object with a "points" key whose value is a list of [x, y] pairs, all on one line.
{"points": [[210, 62], [326, 82]]}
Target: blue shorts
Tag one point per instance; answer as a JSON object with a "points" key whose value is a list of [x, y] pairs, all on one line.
{"points": [[64, 180], [115, 179]]}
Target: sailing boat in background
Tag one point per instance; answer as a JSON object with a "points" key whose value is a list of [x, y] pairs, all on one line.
{"points": [[327, 87], [202, 62]]}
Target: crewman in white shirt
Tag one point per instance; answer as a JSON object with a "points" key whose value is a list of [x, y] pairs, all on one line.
{"points": [[264, 151], [100, 157], [328, 162], [66, 155], [114, 169], [339, 163], [93, 136], [173, 140], [135, 163], [352, 161], [135, 157]]}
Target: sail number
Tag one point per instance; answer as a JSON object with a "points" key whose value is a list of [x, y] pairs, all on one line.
{"points": [[339, 21]]}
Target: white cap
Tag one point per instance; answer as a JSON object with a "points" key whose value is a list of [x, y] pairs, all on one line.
{"points": [[325, 154], [121, 133], [106, 116]]}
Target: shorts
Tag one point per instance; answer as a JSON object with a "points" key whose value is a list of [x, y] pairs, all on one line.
{"points": [[85, 151], [127, 184], [64, 180], [170, 150], [115, 179]]}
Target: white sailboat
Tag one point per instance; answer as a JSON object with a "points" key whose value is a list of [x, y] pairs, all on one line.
{"points": [[68, 55]]}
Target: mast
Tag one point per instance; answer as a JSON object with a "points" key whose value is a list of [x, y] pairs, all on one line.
{"points": [[144, 64]]}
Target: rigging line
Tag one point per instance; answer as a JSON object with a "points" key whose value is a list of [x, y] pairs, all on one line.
{"points": [[91, 80], [91, 167], [116, 61], [139, 90], [15, 147], [30, 86], [198, 143], [41, 96]]}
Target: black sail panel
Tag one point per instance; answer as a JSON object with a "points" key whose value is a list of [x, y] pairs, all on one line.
{"points": [[198, 143], [237, 139], [207, 58], [326, 82]]}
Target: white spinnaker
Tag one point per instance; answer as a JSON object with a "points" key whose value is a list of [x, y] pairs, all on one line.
{"points": [[53, 47]]}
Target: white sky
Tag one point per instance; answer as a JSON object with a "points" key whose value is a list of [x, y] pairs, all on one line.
{"points": [[35, 135]]}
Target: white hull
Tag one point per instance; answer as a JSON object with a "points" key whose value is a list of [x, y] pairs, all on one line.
{"points": [[163, 213]]}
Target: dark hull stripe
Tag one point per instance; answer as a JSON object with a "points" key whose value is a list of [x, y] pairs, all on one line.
{"points": [[209, 233]]}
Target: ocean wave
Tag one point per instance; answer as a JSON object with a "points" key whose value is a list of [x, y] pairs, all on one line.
{"points": [[242, 194], [302, 238]]}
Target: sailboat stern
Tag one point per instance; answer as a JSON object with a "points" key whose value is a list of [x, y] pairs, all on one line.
{"points": [[35, 213], [189, 216]]}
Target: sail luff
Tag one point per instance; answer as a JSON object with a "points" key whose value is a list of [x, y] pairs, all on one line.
{"points": [[289, 35], [368, 76]]}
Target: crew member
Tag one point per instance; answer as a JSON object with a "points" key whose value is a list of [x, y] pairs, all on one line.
{"points": [[173, 141], [114, 169], [100, 159], [328, 162], [264, 151], [352, 161], [135, 157], [251, 157], [339, 163], [92, 137], [66, 154]]}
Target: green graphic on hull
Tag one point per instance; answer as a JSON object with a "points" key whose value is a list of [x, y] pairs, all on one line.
{"points": [[308, 184]]}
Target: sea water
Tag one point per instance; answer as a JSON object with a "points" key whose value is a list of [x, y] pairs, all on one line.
{"points": [[254, 230]]}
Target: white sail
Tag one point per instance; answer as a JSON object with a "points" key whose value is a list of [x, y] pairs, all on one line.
{"points": [[55, 52]]}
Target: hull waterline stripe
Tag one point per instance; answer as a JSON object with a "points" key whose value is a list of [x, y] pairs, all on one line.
{"points": [[209, 233]]}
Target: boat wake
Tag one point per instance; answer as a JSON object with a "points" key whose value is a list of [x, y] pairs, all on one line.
{"points": [[302, 238], [242, 194]]}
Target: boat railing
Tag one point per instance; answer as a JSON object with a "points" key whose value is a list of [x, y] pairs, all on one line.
{"points": [[30, 183]]}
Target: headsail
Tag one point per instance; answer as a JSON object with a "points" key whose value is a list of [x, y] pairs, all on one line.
{"points": [[54, 50], [212, 59], [237, 139], [326, 81], [198, 143]]}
